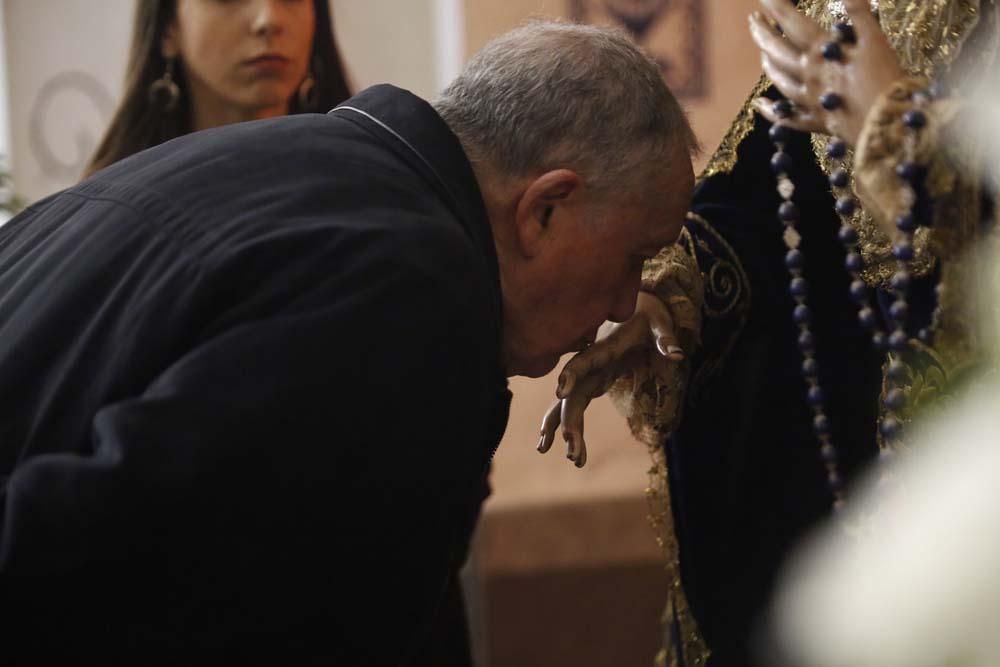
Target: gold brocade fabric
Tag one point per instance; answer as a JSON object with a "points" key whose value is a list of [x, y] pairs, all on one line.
{"points": [[652, 398], [697, 277]]}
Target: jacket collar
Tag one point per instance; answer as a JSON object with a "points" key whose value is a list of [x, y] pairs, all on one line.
{"points": [[427, 143], [432, 146]]}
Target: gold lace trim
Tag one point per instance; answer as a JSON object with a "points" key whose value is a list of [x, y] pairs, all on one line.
{"points": [[724, 158], [728, 287], [677, 616], [651, 400]]}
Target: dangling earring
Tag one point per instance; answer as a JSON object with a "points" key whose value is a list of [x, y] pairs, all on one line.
{"points": [[307, 93], [164, 91]]}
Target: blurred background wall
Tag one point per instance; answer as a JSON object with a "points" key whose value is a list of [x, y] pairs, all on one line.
{"points": [[565, 569]]}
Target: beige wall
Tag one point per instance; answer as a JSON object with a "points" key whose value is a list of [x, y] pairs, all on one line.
{"points": [[65, 65], [388, 41], [66, 60]]}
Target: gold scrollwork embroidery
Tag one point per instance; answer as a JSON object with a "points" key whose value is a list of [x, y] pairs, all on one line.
{"points": [[727, 294]]}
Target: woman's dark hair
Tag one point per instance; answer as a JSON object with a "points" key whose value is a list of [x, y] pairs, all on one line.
{"points": [[140, 122]]}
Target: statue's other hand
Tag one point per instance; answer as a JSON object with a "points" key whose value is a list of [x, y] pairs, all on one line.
{"points": [[806, 63]]}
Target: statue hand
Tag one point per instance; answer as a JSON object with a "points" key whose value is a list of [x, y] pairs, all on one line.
{"points": [[795, 62], [618, 349]]}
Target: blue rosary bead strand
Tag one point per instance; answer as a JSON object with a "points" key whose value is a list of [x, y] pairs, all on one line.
{"points": [[844, 33], [788, 215], [846, 206], [910, 174], [937, 90]]}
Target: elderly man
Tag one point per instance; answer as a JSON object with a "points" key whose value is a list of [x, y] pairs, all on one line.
{"points": [[252, 379]]}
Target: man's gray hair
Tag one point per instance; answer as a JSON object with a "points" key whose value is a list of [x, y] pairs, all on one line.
{"points": [[553, 94]]}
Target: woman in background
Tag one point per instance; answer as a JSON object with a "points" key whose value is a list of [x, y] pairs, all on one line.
{"points": [[196, 64]]}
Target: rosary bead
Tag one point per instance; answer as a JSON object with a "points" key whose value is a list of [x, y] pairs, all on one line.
{"points": [[897, 371], [793, 259], [890, 428], [866, 316], [832, 51], [845, 33], [797, 287], [781, 162], [810, 368], [828, 453], [854, 262], [836, 149], [833, 481], [905, 222], [847, 235], [915, 119], [900, 280], [895, 400], [783, 109], [806, 341], [898, 340], [859, 291], [898, 310], [801, 314], [780, 133], [821, 424], [908, 171], [846, 205], [925, 336], [879, 341], [815, 395], [903, 250], [788, 212], [839, 178], [831, 101]]}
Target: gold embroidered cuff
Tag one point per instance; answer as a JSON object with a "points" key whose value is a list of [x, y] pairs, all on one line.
{"points": [[651, 396], [882, 145]]}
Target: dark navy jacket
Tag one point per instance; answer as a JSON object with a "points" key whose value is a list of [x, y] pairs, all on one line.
{"points": [[249, 389]]}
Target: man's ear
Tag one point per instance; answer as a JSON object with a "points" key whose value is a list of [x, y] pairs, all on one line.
{"points": [[541, 200]]}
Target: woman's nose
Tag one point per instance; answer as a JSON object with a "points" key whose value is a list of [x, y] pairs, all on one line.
{"points": [[267, 17]]}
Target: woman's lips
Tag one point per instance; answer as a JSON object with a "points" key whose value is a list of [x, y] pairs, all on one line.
{"points": [[268, 62]]}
